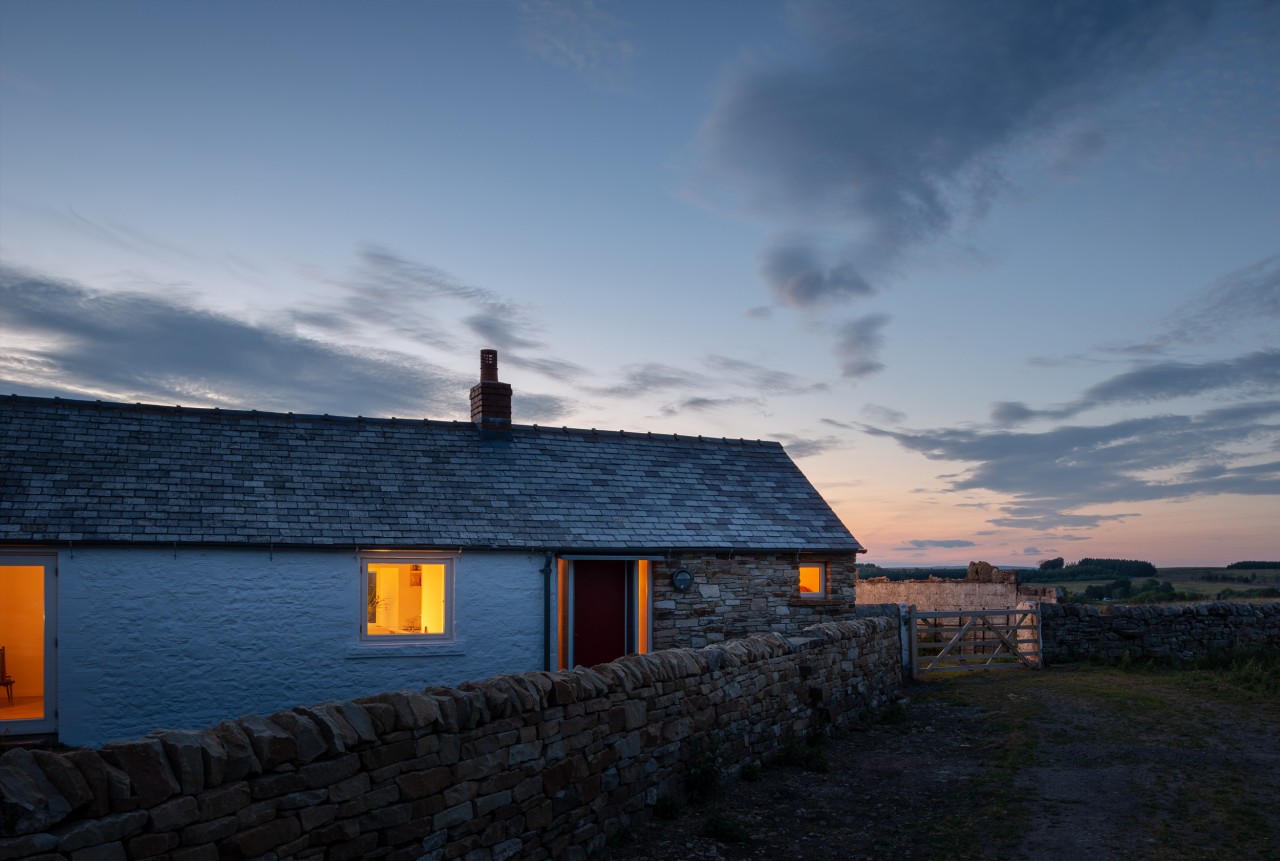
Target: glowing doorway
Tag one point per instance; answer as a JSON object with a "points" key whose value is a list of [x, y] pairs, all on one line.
{"points": [[28, 697]]}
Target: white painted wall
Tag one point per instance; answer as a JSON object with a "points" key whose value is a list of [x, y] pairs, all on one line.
{"points": [[152, 638]]}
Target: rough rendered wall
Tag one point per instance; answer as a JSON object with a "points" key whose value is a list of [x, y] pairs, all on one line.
{"points": [[739, 595], [538, 765], [187, 637], [1072, 632]]}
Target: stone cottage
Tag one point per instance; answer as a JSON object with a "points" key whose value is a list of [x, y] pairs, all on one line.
{"points": [[171, 567]]}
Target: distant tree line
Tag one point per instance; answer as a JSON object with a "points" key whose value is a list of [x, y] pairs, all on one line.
{"points": [[1126, 567], [869, 569], [1255, 565], [1066, 574], [1229, 578], [1149, 591]]}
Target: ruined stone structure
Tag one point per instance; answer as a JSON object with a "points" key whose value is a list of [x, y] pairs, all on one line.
{"points": [[536, 765], [1072, 632], [985, 587]]}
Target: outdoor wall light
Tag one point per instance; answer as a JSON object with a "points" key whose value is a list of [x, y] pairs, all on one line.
{"points": [[682, 580]]}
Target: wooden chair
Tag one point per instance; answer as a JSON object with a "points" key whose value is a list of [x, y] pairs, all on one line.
{"points": [[4, 677]]}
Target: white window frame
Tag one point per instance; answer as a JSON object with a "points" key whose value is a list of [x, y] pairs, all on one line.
{"points": [[448, 560]]}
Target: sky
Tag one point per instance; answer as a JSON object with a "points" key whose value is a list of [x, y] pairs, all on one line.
{"points": [[1002, 276]]}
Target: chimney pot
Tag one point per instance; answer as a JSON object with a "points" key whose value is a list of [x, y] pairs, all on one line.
{"points": [[488, 366], [490, 399]]}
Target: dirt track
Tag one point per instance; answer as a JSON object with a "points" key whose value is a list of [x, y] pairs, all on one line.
{"points": [[1068, 763]]}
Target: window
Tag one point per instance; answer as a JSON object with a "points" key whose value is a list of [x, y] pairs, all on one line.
{"points": [[28, 632], [813, 580], [406, 597]]}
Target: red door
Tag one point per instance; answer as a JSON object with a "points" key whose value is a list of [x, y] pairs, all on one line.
{"points": [[599, 611]]}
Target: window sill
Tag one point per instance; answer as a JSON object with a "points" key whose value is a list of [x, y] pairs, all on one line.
{"points": [[405, 650], [822, 601]]}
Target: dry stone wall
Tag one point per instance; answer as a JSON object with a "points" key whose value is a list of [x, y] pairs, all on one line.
{"points": [[1072, 632], [537, 765], [735, 595]]}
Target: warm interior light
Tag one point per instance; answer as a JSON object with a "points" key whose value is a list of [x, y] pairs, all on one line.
{"points": [[22, 636], [811, 580], [405, 598], [562, 625], [642, 603]]}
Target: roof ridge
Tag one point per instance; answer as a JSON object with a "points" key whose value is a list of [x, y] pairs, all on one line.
{"points": [[179, 409]]}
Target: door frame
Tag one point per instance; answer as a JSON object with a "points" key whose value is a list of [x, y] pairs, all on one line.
{"points": [[10, 557], [639, 604]]}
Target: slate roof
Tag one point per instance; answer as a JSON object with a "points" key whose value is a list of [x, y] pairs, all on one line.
{"points": [[93, 471]]}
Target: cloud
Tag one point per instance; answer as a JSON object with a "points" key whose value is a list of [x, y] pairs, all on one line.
{"points": [[759, 378], [715, 375], [1242, 299], [1052, 475], [792, 270], [69, 340], [578, 35], [393, 295], [895, 123], [858, 345], [798, 447], [883, 414], [1253, 374], [925, 544], [702, 404], [497, 326], [651, 377], [386, 293], [537, 409]]}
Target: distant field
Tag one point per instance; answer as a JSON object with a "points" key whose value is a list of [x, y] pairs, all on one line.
{"points": [[1187, 580]]}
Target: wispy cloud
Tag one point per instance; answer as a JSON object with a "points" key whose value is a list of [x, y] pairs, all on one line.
{"points": [[1254, 374], [896, 124], [388, 293], [799, 447], [791, 268], [706, 404], [718, 382], [927, 543], [1237, 302], [883, 414], [579, 35], [136, 347], [649, 378], [760, 378], [1052, 475], [858, 345]]}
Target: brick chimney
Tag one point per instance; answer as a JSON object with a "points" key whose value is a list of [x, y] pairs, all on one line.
{"points": [[490, 399]]}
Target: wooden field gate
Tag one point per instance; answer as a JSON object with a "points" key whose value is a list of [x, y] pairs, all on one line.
{"points": [[945, 640]]}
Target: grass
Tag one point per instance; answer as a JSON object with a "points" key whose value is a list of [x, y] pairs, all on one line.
{"points": [[1185, 580], [1210, 809]]}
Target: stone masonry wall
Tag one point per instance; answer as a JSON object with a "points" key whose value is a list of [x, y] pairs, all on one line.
{"points": [[1072, 632], [537, 765], [740, 595], [942, 594]]}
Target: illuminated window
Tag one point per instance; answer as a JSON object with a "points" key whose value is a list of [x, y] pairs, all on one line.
{"points": [[406, 597], [813, 580]]}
